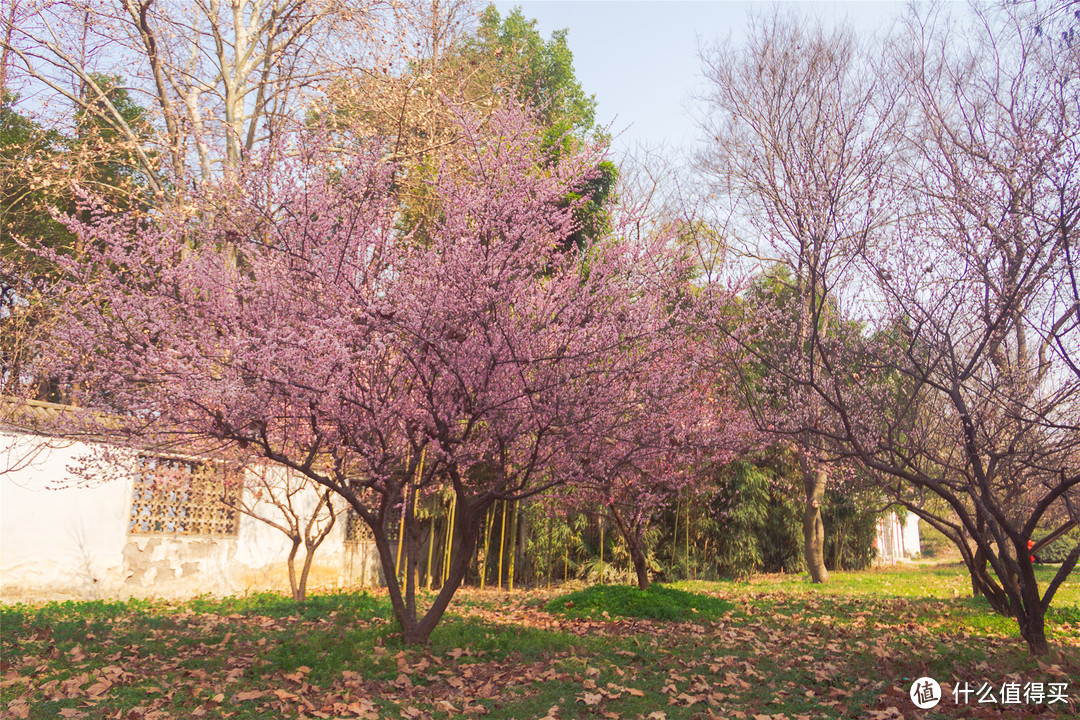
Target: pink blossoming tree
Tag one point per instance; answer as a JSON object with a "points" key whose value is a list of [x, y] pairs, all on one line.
{"points": [[654, 439], [292, 320]]}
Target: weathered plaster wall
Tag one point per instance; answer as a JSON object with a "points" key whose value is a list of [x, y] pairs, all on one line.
{"points": [[177, 566]]}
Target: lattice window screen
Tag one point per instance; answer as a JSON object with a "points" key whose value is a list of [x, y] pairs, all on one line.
{"points": [[182, 497], [356, 530]]}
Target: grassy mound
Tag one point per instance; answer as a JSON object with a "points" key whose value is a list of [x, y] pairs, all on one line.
{"points": [[656, 603]]}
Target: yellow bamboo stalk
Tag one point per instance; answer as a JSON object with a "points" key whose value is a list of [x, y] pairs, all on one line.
{"points": [[601, 549], [548, 563], [449, 537], [431, 540], [513, 546], [502, 543], [675, 534], [487, 544], [401, 528], [420, 467], [686, 547]]}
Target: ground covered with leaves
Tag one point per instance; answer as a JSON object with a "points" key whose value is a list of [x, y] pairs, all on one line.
{"points": [[776, 647]]}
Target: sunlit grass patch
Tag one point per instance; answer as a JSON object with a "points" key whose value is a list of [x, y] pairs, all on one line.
{"points": [[657, 602]]}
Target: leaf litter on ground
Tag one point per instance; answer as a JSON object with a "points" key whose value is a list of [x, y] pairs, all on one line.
{"points": [[775, 652]]}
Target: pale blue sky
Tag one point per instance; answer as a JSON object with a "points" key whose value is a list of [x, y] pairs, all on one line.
{"points": [[639, 57]]}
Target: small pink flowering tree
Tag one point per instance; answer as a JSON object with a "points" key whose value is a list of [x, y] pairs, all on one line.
{"points": [[660, 427], [292, 320]]}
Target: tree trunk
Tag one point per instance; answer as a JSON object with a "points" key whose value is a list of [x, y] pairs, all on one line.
{"points": [[311, 544], [410, 532], [635, 546], [1031, 611], [388, 563], [521, 561], [300, 591], [414, 630], [640, 567], [467, 525], [983, 583], [502, 546], [487, 545], [601, 549], [1033, 629], [297, 592], [815, 480], [513, 545]]}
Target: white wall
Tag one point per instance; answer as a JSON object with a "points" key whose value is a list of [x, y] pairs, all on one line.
{"points": [[896, 541], [62, 536], [68, 540], [912, 539]]}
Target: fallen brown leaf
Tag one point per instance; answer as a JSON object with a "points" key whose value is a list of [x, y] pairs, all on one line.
{"points": [[591, 699]]}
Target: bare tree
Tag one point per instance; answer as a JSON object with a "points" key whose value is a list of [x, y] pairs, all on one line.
{"points": [[13, 14], [414, 105], [796, 147], [296, 506], [964, 399], [221, 77]]}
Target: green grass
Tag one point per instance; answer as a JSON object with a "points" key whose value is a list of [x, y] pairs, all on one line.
{"points": [[773, 645], [657, 602], [937, 580]]}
